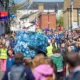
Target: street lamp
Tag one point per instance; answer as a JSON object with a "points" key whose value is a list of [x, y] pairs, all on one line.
{"points": [[56, 11], [71, 10], [78, 17], [48, 18]]}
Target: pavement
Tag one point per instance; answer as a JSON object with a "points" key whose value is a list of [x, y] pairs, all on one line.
{"points": [[1, 75]]}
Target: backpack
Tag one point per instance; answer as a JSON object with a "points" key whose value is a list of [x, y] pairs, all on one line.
{"points": [[17, 73]]}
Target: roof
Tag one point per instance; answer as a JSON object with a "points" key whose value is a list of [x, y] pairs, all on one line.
{"points": [[26, 16], [47, 5], [76, 3]]}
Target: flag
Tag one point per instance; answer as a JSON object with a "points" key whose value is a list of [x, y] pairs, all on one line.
{"points": [[36, 22], [4, 16]]}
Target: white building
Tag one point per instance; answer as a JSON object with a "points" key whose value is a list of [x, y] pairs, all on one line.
{"points": [[32, 9]]}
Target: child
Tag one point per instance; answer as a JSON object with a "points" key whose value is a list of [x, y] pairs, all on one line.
{"points": [[57, 59], [10, 59], [12, 42], [3, 57], [42, 71]]}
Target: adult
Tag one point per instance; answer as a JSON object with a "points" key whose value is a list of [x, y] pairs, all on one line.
{"points": [[18, 71]]}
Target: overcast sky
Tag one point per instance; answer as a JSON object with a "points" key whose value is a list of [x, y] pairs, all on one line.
{"points": [[17, 1]]}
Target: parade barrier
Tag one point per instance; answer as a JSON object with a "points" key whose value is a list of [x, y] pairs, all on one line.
{"points": [[29, 43]]}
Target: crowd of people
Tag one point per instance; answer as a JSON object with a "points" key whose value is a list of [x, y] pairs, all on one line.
{"points": [[60, 62]]}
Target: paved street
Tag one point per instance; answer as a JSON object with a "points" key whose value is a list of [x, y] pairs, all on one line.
{"points": [[1, 74]]}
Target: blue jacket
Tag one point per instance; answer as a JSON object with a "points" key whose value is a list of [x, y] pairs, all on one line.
{"points": [[58, 39], [27, 70], [9, 62], [12, 44], [76, 49], [75, 76], [49, 37]]}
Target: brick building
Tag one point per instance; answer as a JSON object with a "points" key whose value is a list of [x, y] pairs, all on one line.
{"points": [[68, 14], [47, 20]]}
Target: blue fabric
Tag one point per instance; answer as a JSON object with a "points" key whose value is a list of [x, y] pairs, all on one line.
{"points": [[4, 18], [76, 49], [29, 75], [76, 76], [58, 39], [12, 44], [9, 62], [50, 37], [29, 43]]}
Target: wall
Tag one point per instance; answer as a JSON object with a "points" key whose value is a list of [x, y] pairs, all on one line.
{"points": [[44, 18], [68, 18]]}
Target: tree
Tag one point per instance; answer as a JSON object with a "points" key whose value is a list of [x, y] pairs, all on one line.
{"points": [[60, 21]]}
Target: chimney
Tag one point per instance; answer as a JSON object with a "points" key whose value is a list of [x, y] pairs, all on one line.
{"points": [[41, 7], [30, 1]]}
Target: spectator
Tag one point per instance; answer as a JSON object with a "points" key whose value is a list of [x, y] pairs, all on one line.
{"points": [[54, 44], [73, 60], [6, 41], [57, 59], [10, 47], [49, 49], [10, 59], [12, 43], [28, 62], [63, 48], [42, 71], [18, 71], [3, 57], [76, 48]]}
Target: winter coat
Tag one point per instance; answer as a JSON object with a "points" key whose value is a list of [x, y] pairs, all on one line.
{"points": [[42, 71], [75, 75], [12, 44], [57, 59], [9, 62]]}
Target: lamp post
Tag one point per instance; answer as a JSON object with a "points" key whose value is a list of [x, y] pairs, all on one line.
{"points": [[7, 9], [71, 10], [48, 18], [56, 11], [78, 17]]}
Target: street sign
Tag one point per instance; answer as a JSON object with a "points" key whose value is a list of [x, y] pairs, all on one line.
{"points": [[3, 16], [12, 16]]}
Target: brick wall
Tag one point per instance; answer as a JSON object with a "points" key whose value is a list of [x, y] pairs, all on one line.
{"points": [[47, 21]]}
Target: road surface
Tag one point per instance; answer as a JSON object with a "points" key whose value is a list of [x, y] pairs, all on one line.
{"points": [[1, 75]]}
